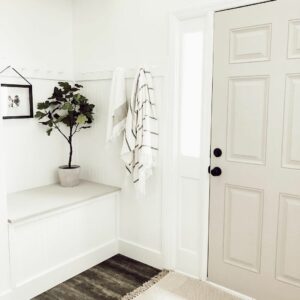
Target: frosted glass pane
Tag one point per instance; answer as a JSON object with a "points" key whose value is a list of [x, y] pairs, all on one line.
{"points": [[191, 93]]}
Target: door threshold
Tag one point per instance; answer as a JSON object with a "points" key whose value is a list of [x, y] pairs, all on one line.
{"points": [[229, 291], [215, 285]]}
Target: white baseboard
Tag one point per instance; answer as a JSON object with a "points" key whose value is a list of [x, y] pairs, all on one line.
{"points": [[43, 282], [50, 278], [7, 295], [186, 274], [143, 254]]}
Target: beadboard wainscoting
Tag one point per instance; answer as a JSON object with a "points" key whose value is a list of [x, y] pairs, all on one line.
{"points": [[140, 231]]}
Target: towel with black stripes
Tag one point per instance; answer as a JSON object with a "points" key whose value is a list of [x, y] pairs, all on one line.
{"points": [[140, 145]]}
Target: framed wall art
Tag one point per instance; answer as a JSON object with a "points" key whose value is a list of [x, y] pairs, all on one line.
{"points": [[16, 101]]}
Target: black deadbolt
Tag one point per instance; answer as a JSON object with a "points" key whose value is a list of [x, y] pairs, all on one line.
{"points": [[218, 152], [216, 172]]}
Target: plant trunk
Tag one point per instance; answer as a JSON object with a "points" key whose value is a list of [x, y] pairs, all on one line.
{"points": [[71, 149], [70, 154]]}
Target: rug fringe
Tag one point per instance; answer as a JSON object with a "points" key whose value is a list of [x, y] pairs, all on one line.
{"points": [[140, 290]]}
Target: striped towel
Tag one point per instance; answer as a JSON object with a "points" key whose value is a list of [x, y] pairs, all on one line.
{"points": [[140, 145], [117, 105]]}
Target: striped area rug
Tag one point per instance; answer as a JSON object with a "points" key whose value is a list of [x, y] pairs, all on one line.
{"points": [[110, 280]]}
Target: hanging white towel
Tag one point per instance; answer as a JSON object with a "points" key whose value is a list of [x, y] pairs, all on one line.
{"points": [[117, 105], [140, 145]]}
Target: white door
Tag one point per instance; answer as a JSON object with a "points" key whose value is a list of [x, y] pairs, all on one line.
{"points": [[255, 203]]}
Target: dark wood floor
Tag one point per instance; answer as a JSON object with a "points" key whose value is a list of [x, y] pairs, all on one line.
{"points": [[109, 280]]}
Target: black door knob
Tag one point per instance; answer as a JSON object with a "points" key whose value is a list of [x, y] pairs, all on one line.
{"points": [[218, 152], [216, 172]]}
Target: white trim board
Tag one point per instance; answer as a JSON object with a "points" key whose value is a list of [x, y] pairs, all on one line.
{"points": [[6, 295], [171, 167], [157, 71], [39, 75]]}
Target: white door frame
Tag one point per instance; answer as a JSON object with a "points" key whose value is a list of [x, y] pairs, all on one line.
{"points": [[170, 207]]}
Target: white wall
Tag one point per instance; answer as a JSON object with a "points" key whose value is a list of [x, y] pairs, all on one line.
{"points": [[111, 33], [36, 36], [4, 255], [37, 40], [31, 156]]}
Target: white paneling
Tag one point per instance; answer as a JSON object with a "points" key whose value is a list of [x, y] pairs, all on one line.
{"points": [[42, 245], [100, 160], [243, 227], [288, 244], [143, 254], [247, 119], [250, 44], [294, 39], [291, 139], [140, 217], [189, 205]]}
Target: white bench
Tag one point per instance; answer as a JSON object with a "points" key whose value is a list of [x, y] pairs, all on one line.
{"points": [[56, 233]]}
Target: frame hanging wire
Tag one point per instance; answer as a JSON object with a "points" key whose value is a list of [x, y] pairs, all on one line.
{"points": [[8, 67]]}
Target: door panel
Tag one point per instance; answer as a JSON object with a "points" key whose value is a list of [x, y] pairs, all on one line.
{"points": [[250, 44], [291, 146], [254, 238], [288, 244], [247, 119], [242, 239], [294, 39]]}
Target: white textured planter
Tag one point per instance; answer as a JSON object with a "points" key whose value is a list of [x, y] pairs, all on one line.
{"points": [[69, 177]]}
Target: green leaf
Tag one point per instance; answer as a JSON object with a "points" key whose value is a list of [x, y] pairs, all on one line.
{"points": [[45, 123], [60, 119], [40, 105], [40, 115], [81, 119], [49, 131], [67, 106]]}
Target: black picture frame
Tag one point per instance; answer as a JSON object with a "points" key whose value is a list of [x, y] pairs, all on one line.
{"points": [[30, 100]]}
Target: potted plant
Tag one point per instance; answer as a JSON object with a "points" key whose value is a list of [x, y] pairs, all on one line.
{"points": [[69, 109]]}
